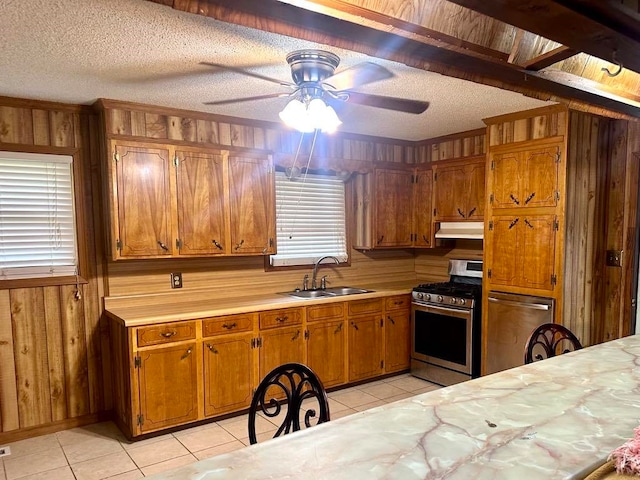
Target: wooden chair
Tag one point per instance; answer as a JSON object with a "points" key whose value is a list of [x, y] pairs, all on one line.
{"points": [[288, 386], [549, 340]]}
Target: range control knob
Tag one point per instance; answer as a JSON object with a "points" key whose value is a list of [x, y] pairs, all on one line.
{"points": [[440, 298], [428, 298], [453, 300], [420, 296], [462, 301]]}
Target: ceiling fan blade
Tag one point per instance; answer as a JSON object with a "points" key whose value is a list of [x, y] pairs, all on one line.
{"points": [[360, 74], [248, 73], [248, 99], [389, 103]]}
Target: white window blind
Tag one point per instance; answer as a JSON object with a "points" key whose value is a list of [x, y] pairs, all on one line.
{"points": [[310, 219], [37, 217]]}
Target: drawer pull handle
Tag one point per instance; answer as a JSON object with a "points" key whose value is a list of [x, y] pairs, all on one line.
{"points": [[354, 326], [229, 326], [169, 334], [187, 353], [399, 302], [212, 348], [282, 319]]}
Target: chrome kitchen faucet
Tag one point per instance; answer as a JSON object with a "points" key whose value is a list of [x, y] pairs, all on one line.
{"points": [[314, 285]]}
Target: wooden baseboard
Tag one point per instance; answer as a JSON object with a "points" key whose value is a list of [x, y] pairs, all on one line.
{"points": [[30, 432]]}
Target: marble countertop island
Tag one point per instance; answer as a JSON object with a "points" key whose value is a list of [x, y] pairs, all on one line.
{"points": [[554, 419]]}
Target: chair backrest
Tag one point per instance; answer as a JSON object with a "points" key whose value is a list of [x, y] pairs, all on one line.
{"points": [[284, 394], [549, 340]]}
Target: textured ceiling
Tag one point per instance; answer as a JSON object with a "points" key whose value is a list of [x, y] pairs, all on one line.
{"points": [[76, 51]]}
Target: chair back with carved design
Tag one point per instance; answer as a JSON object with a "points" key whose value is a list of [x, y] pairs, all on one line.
{"points": [[286, 394], [549, 340]]}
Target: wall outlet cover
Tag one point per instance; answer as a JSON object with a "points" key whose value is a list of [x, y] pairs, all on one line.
{"points": [[614, 258], [5, 451], [176, 280]]}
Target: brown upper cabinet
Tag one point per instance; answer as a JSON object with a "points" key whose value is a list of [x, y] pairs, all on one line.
{"points": [[459, 190], [525, 177], [178, 201], [393, 209]]}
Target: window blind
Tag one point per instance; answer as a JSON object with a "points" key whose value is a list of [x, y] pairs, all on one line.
{"points": [[37, 217], [310, 219]]}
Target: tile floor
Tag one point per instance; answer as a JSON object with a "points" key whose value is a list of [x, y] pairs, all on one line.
{"points": [[100, 451]]}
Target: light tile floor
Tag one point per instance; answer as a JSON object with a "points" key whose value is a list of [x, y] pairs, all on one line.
{"points": [[101, 451]]}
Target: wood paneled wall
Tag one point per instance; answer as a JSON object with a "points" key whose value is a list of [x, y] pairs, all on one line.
{"points": [[533, 124], [433, 265], [53, 346], [130, 120], [459, 145]]}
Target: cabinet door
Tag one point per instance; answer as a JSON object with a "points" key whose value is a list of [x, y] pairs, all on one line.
{"points": [[326, 344], [526, 178], [228, 373], [142, 203], [536, 245], [397, 340], [523, 251], [475, 191], [365, 347], [280, 345], [393, 207], [540, 181], [449, 195], [168, 386], [251, 204], [422, 205], [201, 206]]}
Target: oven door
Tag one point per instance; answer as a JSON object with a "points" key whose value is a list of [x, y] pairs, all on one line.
{"points": [[442, 336]]}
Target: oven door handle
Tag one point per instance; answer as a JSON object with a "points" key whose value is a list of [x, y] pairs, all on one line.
{"points": [[535, 306], [440, 309]]}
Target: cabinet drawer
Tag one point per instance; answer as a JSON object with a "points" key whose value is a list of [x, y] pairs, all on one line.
{"points": [[165, 333], [398, 302], [227, 324], [325, 312], [280, 318], [359, 307]]}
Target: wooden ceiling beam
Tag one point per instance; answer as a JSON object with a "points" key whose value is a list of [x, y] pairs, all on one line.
{"points": [[549, 58], [285, 19], [598, 27]]}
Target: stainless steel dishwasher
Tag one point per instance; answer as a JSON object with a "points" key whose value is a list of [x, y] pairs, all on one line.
{"points": [[510, 320]]}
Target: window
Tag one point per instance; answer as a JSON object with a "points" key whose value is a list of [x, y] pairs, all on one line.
{"points": [[310, 219], [37, 217]]}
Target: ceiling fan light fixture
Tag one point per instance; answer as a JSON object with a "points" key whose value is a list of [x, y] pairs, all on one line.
{"points": [[307, 117]]}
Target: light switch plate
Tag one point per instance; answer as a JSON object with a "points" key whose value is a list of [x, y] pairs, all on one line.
{"points": [[614, 258]]}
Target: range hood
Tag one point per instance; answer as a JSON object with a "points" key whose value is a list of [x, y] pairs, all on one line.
{"points": [[474, 230]]}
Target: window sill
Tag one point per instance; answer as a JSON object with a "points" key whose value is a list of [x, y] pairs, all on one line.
{"points": [[41, 282]]}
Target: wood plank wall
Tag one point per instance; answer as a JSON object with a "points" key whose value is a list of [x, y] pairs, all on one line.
{"points": [[456, 146], [53, 345]]}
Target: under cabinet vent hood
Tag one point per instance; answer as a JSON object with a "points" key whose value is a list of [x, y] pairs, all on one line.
{"points": [[474, 230]]}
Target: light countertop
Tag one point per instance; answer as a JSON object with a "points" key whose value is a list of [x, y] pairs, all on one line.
{"points": [[554, 419], [145, 310]]}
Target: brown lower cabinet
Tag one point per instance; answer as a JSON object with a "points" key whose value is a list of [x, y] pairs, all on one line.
{"points": [[166, 375]]}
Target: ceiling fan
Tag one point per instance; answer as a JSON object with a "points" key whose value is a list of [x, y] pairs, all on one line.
{"points": [[314, 78]]}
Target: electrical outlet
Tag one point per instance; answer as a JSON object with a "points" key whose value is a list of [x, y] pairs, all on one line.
{"points": [[614, 258], [176, 280], [5, 451]]}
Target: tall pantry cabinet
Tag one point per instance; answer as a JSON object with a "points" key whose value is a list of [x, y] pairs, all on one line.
{"points": [[524, 219]]}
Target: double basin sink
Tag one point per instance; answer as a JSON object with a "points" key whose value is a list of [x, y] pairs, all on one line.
{"points": [[327, 292]]}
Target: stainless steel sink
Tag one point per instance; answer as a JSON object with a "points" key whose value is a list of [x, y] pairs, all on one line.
{"points": [[329, 292]]}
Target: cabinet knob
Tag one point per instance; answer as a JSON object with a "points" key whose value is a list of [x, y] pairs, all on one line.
{"points": [[229, 326], [239, 245], [282, 319], [218, 246], [163, 246], [212, 348], [187, 353], [354, 326]]}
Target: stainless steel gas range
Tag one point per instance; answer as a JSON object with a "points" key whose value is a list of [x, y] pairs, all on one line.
{"points": [[445, 326]]}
